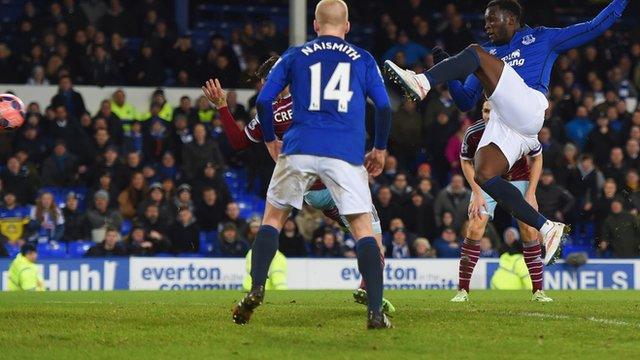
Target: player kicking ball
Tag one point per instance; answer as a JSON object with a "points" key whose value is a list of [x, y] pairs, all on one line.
{"points": [[482, 206], [318, 195], [513, 72], [330, 80]]}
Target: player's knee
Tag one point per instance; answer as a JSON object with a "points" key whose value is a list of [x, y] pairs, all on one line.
{"points": [[482, 175]]}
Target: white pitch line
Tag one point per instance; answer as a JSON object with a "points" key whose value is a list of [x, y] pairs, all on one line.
{"points": [[591, 318]]}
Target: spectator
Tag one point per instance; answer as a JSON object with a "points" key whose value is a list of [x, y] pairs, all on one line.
{"points": [[209, 177], [620, 233], [183, 198], [232, 215], [126, 112], [18, 180], [131, 197], [632, 153], [46, 222], [486, 248], [457, 35], [231, 244], [551, 149], [616, 168], [157, 141], [156, 197], [407, 132], [328, 246], [422, 249], [600, 141], [147, 69], [12, 218], [69, 98], [101, 217], [455, 199], [73, 219], [114, 124], [413, 52], [156, 226], [185, 233], [252, 229], [60, 169], [579, 127], [291, 242], [110, 246], [399, 248], [632, 189], [198, 153], [401, 189], [554, 201], [117, 20], [419, 217], [138, 243], [67, 129], [448, 244], [454, 145], [387, 209], [186, 111], [210, 210]]}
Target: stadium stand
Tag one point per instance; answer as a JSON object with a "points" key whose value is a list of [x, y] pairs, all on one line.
{"points": [[591, 138]]}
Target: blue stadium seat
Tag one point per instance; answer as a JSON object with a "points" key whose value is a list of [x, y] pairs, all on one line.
{"points": [[12, 249], [52, 250], [77, 249], [209, 245], [126, 226]]}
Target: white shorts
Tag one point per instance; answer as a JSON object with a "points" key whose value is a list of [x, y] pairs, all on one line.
{"points": [[517, 115], [294, 175]]}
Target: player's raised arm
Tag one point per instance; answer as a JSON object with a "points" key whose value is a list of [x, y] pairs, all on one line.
{"points": [[577, 35], [374, 161], [217, 96]]}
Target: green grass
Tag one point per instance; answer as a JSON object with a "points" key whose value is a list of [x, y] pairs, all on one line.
{"points": [[318, 324]]}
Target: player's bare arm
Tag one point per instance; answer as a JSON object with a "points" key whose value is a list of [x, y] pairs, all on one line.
{"points": [[477, 203], [374, 161]]}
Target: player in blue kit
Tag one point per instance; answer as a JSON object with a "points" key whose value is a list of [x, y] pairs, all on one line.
{"points": [[513, 72], [330, 80]]}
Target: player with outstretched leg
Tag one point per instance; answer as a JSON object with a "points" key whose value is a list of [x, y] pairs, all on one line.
{"points": [[481, 208], [513, 72]]}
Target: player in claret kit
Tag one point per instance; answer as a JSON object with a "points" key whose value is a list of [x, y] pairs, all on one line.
{"points": [[513, 72], [481, 208], [318, 196]]}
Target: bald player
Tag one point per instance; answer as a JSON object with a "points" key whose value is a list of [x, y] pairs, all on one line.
{"points": [[330, 80]]}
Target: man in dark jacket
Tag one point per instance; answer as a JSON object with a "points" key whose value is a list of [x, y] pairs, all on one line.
{"points": [[210, 210], [202, 150], [554, 201], [73, 219], [621, 233], [69, 98], [101, 215], [60, 169], [15, 179], [454, 199], [110, 246], [185, 233]]}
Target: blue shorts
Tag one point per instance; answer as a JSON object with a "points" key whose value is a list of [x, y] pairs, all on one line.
{"points": [[322, 200], [522, 185]]}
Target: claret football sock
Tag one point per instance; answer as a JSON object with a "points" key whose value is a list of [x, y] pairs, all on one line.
{"points": [[369, 265], [510, 198], [459, 66], [262, 253], [532, 252], [468, 259]]}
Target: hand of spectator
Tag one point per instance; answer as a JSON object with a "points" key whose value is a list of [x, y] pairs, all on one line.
{"points": [[155, 235], [214, 92], [82, 169], [439, 54], [275, 148], [531, 200], [588, 206], [147, 244], [477, 205], [374, 161]]}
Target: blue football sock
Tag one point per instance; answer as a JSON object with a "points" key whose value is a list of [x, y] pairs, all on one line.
{"points": [[464, 63], [262, 252], [370, 269], [510, 198]]}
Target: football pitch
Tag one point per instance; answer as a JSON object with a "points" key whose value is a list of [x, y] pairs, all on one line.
{"points": [[318, 324]]}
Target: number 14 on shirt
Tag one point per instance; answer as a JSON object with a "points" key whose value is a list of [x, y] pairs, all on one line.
{"points": [[337, 87]]}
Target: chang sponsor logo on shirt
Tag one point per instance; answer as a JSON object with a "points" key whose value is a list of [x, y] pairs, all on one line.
{"points": [[514, 59]]}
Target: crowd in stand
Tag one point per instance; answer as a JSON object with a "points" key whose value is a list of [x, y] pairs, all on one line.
{"points": [[161, 168]]}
